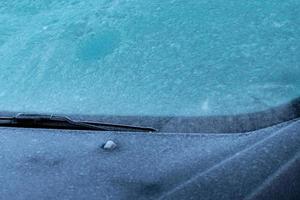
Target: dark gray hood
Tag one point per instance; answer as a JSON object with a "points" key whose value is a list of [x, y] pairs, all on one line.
{"points": [[50, 164]]}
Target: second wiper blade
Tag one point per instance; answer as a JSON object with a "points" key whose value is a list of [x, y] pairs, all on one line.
{"points": [[63, 122]]}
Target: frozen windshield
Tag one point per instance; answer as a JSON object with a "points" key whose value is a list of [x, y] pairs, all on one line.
{"points": [[150, 57]]}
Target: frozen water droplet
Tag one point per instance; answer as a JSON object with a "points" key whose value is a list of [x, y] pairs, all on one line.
{"points": [[205, 105], [110, 145]]}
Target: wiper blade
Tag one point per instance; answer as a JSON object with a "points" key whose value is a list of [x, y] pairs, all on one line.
{"points": [[64, 122]]}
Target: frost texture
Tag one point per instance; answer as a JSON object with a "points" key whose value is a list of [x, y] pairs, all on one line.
{"points": [[132, 57]]}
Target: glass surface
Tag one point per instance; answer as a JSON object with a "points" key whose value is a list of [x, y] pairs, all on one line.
{"points": [[150, 57]]}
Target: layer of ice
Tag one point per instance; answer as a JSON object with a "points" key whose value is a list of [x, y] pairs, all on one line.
{"points": [[173, 57]]}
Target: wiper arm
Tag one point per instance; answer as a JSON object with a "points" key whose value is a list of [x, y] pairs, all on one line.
{"points": [[63, 122]]}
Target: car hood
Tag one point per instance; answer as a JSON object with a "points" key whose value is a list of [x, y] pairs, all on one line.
{"points": [[64, 164]]}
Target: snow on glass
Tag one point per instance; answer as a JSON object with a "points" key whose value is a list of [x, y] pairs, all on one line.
{"points": [[132, 57]]}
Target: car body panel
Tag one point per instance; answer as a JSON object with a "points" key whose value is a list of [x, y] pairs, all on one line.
{"points": [[66, 164]]}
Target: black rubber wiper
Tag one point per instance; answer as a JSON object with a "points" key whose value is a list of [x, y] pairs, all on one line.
{"points": [[63, 122]]}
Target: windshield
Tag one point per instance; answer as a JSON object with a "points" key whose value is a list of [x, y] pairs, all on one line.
{"points": [[154, 58]]}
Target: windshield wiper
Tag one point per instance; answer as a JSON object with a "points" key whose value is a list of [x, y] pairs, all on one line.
{"points": [[64, 122]]}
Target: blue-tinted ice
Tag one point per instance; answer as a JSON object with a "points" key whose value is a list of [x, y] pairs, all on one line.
{"points": [[151, 57]]}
